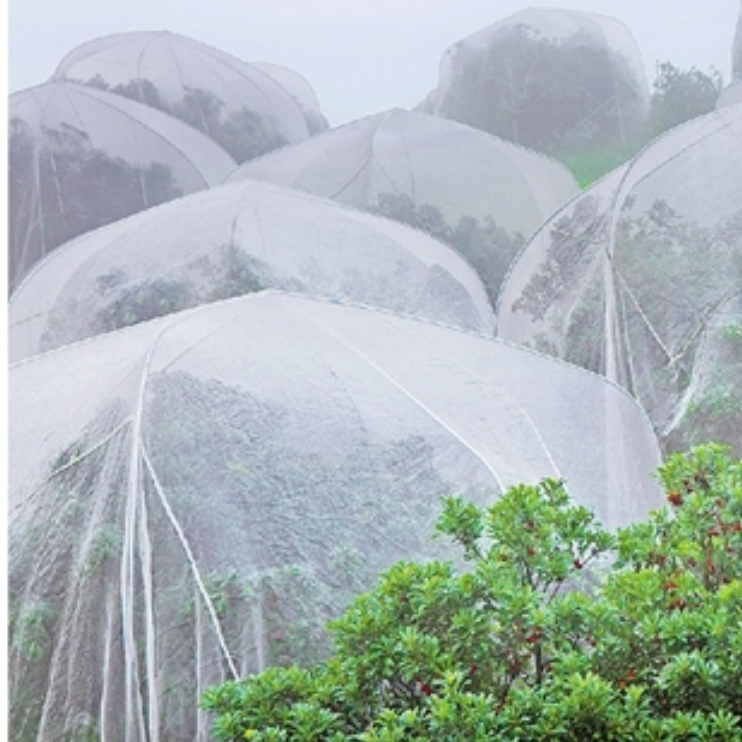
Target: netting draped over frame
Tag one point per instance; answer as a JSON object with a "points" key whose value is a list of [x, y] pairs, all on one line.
{"points": [[634, 278], [192, 497], [480, 194], [80, 158], [555, 80], [236, 239], [301, 90], [246, 108]]}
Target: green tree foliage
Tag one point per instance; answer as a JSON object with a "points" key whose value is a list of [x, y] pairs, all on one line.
{"points": [[679, 95], [554, 629]]}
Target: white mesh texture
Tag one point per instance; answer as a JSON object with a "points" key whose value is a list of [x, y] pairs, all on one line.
{"points": [[555, 80], [480, 194], [208, 88], [194, 496], [626, 278], [237, 239], [81, 157]]}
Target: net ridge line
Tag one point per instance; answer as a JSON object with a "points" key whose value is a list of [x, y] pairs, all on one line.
{"points": [[60, 470], [132, 690], [418, 403], [190, 557], [621, 176]]}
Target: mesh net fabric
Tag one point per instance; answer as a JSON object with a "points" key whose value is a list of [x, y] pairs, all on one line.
{"points": [[301, 90], [244, 107], [192, 497], [232, 240], [628, 278], [80, 158], [480, 194], [551, 79], [461, 171], [730, 95]]}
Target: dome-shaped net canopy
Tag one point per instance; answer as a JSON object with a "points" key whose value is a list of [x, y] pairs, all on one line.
{"points": [[480, 194], [560, 81], [80, 158], [301, 90], [628, 279], [236, 239], [243, 108], [192, 498]]}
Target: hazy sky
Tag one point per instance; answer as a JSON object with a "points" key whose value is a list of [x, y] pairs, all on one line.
{"points": [[361, 56]]}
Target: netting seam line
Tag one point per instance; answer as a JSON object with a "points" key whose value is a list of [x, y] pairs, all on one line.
{"points": [[74, 462], [703, 321], [375, 160], [700, 328], [207, 61], [498, 341], [413, 184], [145, 126], [106, 670], [190, 557], [358, 174], [529, 420], [642, 314], [240, 67], [687, 396], [626, 339], [621, 177], [150, 643], [420, 404]]}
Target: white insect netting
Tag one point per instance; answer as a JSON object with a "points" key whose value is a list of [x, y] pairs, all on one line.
{"points": [[480, 194], [192, 498], [633, 277], [711, 408], [241, 106], [301, 90], [551, 79], [80, 158], [730, 96], [232, 240]]}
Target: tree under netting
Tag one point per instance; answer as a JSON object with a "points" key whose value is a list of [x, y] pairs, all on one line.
{"points": [[232, 240], [480, 194], [301, 90], [80, 158], [192, 498], [245, 108], [560, 81], [639, 279]]}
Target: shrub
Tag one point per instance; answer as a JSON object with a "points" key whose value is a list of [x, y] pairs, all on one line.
{"points": [[554, 630]]}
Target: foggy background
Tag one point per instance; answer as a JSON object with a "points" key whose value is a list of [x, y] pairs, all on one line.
{"points": [[361, 57]]}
